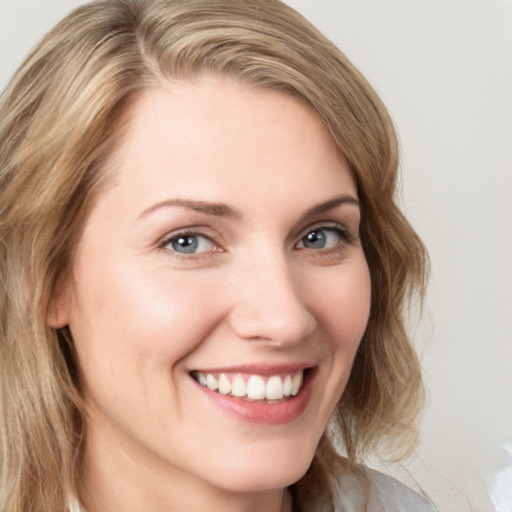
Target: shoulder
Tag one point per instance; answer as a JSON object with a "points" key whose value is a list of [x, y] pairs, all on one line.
{"points": [[393, 493], [374, 491]]}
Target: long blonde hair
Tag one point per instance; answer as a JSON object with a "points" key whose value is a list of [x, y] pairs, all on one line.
{"points": [[60, 117]]}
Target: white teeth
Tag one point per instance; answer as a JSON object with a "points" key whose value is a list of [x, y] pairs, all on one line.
{"points": [[238, 388], [296, 383], [274, 388], [224, 385], [287, 386], [254, 387], [211, 382]]}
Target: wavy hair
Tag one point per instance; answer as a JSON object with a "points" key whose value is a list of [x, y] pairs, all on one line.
{"points": [[60, 117]]}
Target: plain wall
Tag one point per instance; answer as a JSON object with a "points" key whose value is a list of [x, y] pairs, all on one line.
{"points": [[443, 67]]}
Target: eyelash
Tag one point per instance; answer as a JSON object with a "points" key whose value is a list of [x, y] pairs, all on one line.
{"points": [[345, 238]]}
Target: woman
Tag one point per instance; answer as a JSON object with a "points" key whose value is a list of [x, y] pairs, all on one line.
{"points": [[203, 268]]}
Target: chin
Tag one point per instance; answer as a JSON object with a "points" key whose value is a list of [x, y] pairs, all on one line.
{"points": [[256, 481], [267, 471]]}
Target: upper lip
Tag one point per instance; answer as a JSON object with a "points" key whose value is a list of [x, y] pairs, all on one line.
{"points": [[260, 369]]}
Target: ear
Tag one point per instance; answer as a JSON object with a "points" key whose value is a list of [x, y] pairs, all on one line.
{"points": [[58, 311]]}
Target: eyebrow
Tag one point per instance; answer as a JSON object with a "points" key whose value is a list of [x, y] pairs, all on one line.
{"points": [[216, 209], [223, 210], [330, 204]]}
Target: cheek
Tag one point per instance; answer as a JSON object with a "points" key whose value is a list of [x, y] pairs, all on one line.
{"points": [[140, 322], [342, 304], [131, 337], [343, 310]]}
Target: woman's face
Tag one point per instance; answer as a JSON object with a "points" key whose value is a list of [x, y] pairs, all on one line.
{"points": [[223, 259]]}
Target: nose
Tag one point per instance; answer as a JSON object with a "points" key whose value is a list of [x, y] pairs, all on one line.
{"points": [[268, 305]]}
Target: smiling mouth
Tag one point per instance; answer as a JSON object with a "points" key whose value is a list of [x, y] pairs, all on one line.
{"points": [[253, 387]]}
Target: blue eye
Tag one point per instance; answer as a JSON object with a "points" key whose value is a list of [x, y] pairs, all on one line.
{"points": [[188, 243], [322, 238]]}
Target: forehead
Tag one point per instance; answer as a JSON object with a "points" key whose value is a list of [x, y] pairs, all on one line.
{"points": [[214, 136]]}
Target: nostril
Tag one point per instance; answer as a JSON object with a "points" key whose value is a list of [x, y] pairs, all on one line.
{"points": [[281, 323]]}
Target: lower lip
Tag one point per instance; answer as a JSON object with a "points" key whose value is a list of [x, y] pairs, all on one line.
{"points": [[263, 413]]}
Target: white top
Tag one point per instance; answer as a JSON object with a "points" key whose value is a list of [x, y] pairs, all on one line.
{"points": [[390, 495]]}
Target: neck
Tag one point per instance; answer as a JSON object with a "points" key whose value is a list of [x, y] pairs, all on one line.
{"points": [[114, 478], [121, 496]]}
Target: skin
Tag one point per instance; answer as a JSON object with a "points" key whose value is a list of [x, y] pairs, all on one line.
{"points": [[143, 315]]}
